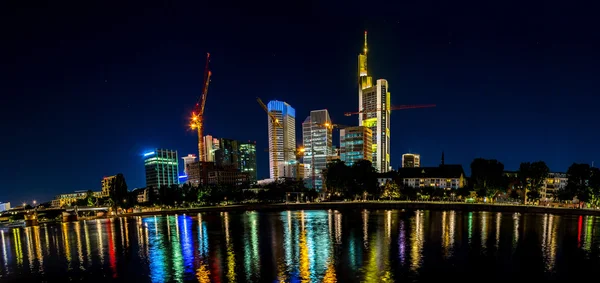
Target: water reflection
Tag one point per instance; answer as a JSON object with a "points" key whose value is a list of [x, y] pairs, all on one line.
{"points": [[299, 246]]}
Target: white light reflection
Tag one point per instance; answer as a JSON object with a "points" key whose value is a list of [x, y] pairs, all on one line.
{"points": [[498, 222]]}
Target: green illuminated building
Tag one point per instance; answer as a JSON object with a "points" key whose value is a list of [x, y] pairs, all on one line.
{"points": [[247, 159], [162, 167]]}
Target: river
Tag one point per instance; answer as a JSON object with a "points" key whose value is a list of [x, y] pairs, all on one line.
{"points": [[307, 246]]}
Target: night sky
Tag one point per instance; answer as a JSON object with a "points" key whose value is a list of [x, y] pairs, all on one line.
{"points": [[87, 89]]}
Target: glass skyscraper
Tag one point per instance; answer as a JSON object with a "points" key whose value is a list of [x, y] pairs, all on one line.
{"points": [[355, 144], [247, 159], [317, 139], [162, 167], [284, 137]]}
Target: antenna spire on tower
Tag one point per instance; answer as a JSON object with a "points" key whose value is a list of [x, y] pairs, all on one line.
{"points": [[365, 43]]}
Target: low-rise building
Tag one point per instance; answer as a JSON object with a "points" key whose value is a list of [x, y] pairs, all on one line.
{"points": [[554, 182], [443, 177], [4, 206], [63, 200]]}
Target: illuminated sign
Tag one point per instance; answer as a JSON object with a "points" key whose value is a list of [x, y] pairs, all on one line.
{"points": [[148, 153]]}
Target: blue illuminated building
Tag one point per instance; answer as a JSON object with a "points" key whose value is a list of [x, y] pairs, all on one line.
{"points": [[162, 167]]}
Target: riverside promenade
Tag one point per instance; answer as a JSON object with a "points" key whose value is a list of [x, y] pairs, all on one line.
{"points": [[375, 205]]}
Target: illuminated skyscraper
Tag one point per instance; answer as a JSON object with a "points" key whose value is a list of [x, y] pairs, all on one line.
{"points": [[162, 167], [247, 159], [410, 160], [374, 105], [317, 139], [285, 137]]}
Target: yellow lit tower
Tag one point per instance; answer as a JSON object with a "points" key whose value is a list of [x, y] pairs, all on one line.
{"points": [[374, 108]]}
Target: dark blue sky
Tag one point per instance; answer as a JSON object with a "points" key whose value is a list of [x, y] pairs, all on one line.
{"points": [[87, 89]]}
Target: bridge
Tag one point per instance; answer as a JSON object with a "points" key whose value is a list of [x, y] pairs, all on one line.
{"points": [[68, 213]]}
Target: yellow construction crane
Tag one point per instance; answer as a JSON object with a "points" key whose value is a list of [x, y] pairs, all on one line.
{"points": [[276, 125], [198, 114]]}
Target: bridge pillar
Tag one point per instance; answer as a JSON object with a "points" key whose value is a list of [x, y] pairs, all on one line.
{"points": [[31, 219], [68, 216]]}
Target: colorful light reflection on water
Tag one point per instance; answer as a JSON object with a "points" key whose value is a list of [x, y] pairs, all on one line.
{"points": [[304, 246]]}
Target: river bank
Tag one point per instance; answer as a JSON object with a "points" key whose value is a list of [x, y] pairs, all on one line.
{"points": [[374, 205]]}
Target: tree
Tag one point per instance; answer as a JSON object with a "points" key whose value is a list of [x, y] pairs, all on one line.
{"points": [[337, 176], [532, 176], [364, 176], [391, 190], [118, 190], [578, 181], [487, 177]]}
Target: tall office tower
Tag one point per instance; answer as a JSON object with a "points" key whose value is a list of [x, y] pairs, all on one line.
{"points": [[355, 144], [210, 146], [411, 160], [228, 154], [247, 159], [374, 105], [284, 137], [162, 166], [316, 136], [189, 159]]}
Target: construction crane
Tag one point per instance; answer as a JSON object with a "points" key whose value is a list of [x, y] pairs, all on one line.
{"points": [[276, 125], [198, 114], [399, 107], [299, 152]]}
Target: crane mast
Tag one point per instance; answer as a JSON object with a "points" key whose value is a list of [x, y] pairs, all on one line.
{"points": [[198, 114]]}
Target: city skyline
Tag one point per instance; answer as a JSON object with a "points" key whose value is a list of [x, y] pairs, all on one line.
{"points": [[524, 96]]}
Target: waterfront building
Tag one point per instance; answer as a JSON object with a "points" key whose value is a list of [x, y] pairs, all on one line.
{"points": [[355, 144], [189, 159], [443, 177], [374, 105], [4, 206], [107, 183], [317, 140], [247, 159], [162, 167], [554, 182], [284, 137], [69, 199], [410, 160]]}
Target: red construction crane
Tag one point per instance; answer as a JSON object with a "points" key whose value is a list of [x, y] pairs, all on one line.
{"points": [[399, 107], [198, 114]]}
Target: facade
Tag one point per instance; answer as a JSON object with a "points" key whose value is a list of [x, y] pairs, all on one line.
{"points": [[189, 159], [4, 206], [374, 105], [227, 155], [411, 160], [554, 183], [162, 167], [355, 144], [292, 171], [107, 183], [318, 146], [247, 159], [443, 177], [210, 146], [63, 200], [285, 137], [227, 177]]}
